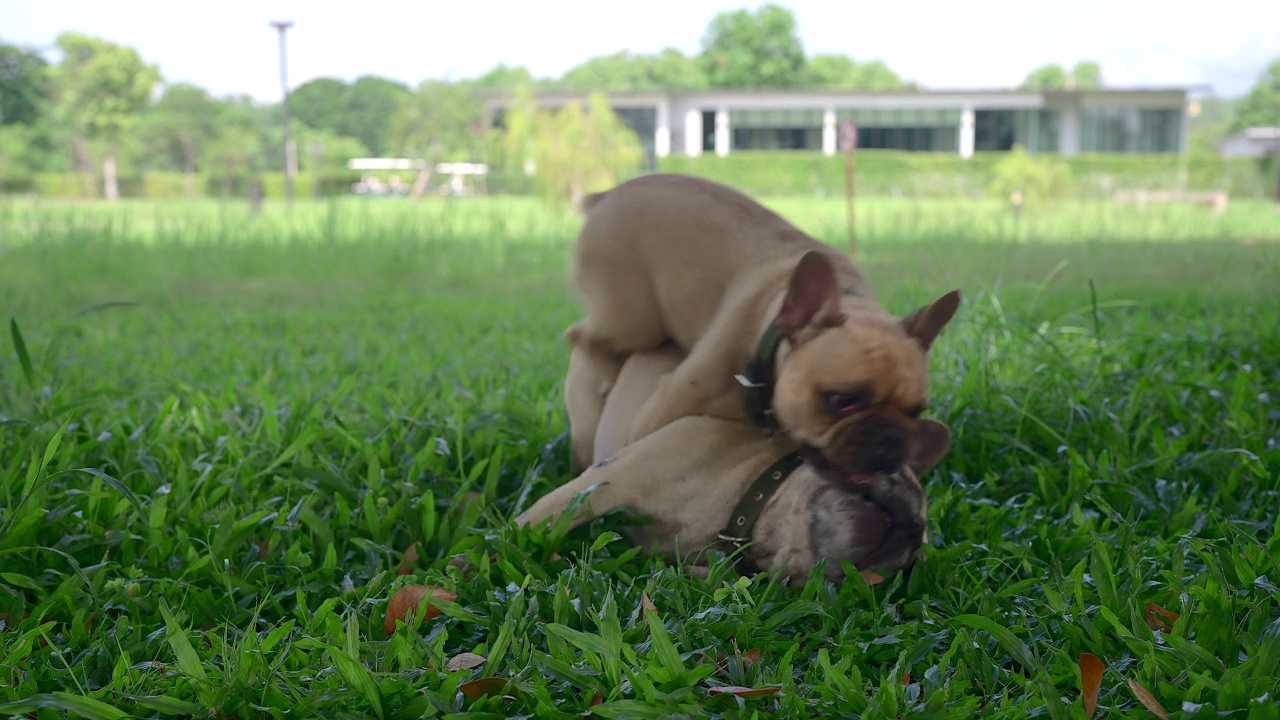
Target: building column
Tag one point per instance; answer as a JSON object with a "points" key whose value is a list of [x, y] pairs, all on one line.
{"points": [[722, 132], [1071, 131], [829, 132], [693, 132], [966, 132], [1184, 129], [662, 131]]}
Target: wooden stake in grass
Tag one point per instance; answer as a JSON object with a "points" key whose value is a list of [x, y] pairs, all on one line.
{"points": [[849, 142]]}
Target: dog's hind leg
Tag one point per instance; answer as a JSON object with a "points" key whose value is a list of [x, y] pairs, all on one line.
{"points": [[586, 389]]}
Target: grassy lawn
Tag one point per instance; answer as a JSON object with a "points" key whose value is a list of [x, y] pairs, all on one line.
{"points": [[232, 430]]}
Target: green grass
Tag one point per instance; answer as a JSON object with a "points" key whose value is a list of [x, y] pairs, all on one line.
{"points": [[225, 431]]}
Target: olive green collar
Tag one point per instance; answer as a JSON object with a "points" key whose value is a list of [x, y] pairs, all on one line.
{"points": [[738, 532]]}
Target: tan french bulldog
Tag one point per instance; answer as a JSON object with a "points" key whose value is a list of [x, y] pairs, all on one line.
{"points": [[689, 476], [675, 258]]}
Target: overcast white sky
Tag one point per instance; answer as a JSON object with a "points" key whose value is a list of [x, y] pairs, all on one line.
{"points": [[228, 47]]}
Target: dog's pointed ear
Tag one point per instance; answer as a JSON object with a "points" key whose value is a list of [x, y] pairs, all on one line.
{"points": [[926, 323], [812, 295], [931, 442]]}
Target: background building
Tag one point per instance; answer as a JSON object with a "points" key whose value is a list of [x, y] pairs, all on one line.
{"points": [[1068, 122]]}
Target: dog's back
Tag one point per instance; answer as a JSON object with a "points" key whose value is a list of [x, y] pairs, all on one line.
{"points": [[658, 254]]}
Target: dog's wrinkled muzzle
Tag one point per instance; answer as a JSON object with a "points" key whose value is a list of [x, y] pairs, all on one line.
{"points": [[900, 499]]}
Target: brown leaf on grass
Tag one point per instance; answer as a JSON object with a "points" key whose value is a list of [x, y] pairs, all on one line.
{"points": [[6, 618], [906, 679], [484, 687], [410, 559], [646, 603], [8, 623], [872, 578], [464, 661], [1090, 681], [264, 547], [749, 658], [742, 692], [406, 600], [1159, 619], [1147, 699], [596, 699]]}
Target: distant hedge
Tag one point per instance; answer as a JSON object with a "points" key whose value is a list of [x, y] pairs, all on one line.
{"points": [[879, 172], [888, 172], [167, 185]]}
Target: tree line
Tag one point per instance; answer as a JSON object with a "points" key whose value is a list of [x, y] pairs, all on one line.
{"points": [[102, 110]]}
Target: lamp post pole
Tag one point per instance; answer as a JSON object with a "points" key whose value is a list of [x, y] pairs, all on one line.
{"points": [[282, 26]]}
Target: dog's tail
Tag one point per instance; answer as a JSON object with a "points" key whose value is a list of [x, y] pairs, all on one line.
{"points": [[590, 201]]}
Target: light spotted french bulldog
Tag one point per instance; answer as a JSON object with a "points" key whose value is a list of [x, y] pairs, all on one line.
{"points": [[689, 476]]}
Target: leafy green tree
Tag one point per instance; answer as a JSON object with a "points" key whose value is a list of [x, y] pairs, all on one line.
{"points": [[1261, 107], [25, 85], [1046, 77], [14, 162], [181, 126], [370, 104], [743, 49], [840, 71], [325, 155], [1086, 75], [503, 77], [361, 110], [320, 103], [233, 154], [630, 71], [102, 89], [579, 152], [671, 68], [439, 122], [512, 147]]}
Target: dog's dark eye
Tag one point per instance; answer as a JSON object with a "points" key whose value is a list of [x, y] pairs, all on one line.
{"points": [[844, 404]]}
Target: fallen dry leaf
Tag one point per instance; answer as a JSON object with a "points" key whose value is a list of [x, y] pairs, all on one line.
{"points": [[1090, 681], [596, 699], [646, 603], [406, 600], [264, 547], [483, 687], [1159, 619], [410, 559], [743, 692], [464, 661], [6, 618], [871, 578], [906, 679], [749, 658], [1147, 699]]}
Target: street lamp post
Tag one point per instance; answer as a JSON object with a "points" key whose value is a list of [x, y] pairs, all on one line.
{"points": [[282, 26]]}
